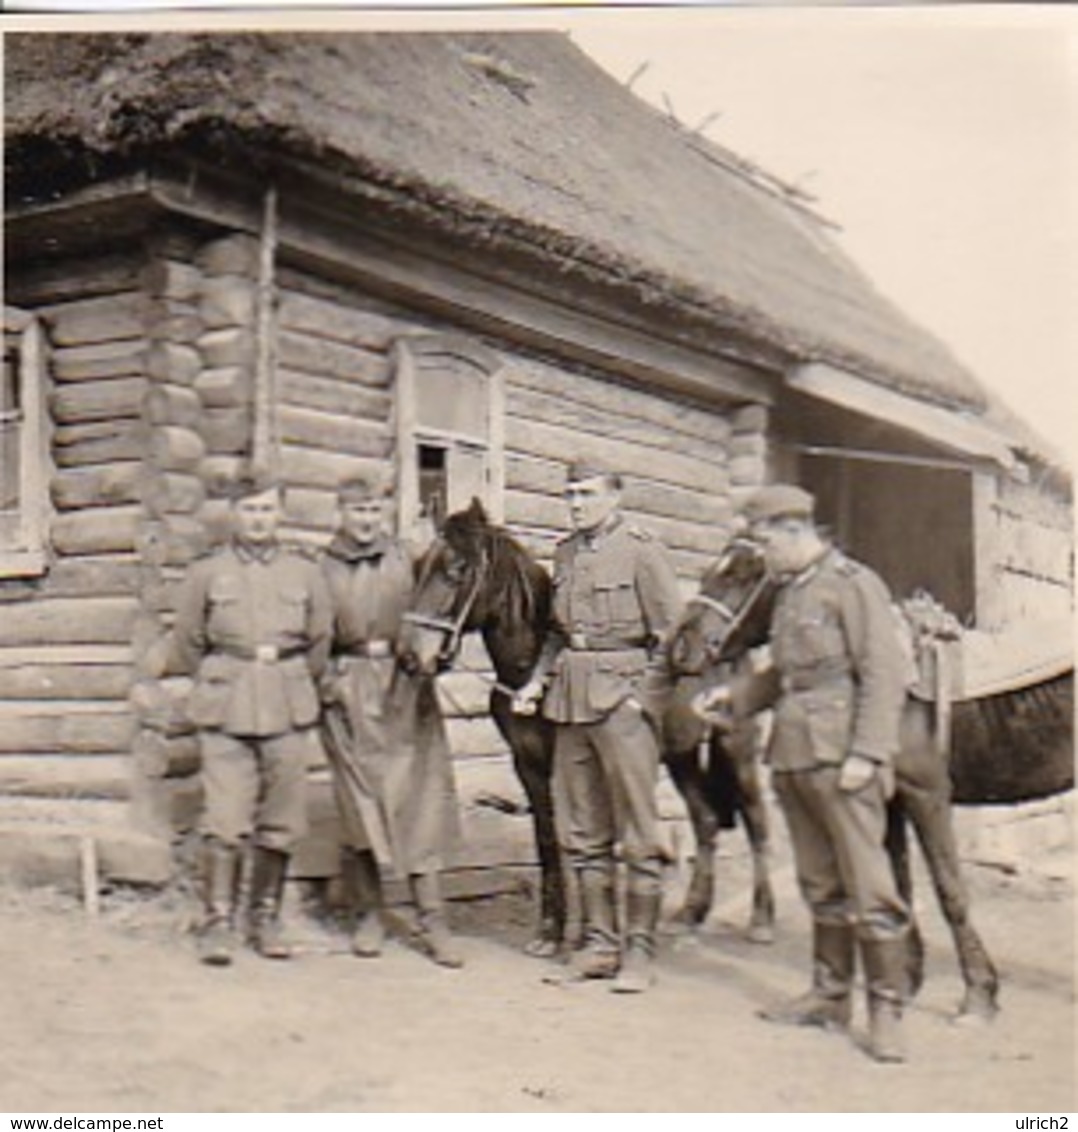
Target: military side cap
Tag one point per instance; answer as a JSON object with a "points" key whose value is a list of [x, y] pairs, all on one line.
{"points": [[580, 470], [362, 489], [779, 501], [251, 482]]}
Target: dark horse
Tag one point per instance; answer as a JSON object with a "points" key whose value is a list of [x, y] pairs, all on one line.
{"points": [[1011, 747], [477, 577]]}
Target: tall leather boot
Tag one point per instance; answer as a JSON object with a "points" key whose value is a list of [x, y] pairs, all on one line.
{"points": [[598, 957], [637, 972], [220, 879], [434, 933], [363, 886], [267, 888], [885, 976], [827, 1003]]}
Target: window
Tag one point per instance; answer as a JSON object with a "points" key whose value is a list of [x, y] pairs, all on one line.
{"points": [[450, 420], [22, 447]]}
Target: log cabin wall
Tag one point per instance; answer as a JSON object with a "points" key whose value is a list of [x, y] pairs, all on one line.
{"points": [[66, 635]]}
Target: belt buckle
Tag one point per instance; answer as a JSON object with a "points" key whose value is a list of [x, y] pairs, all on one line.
{"points": [[578, 641], [378, 650], [267, 654]]}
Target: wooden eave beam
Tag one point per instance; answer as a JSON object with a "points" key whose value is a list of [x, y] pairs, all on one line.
{"points": [[348, 252]]}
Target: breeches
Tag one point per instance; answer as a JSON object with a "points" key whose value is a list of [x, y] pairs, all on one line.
{"points": [[607, 772], [842, 866], [255, 788]]}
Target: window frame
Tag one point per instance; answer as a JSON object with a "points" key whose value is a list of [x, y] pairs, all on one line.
{"points": [[24, 556]]}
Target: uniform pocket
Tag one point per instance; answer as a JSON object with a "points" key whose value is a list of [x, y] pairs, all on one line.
{"points": [[293, 601], [617, 603], [830, 726]]}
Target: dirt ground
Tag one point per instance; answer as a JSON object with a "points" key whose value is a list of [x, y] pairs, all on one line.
{"points": [[114, 1015]]}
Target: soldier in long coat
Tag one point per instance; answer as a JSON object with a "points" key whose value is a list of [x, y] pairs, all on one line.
{"points": [[615, 597], [838, 685], [252, 625], [383, 731]]}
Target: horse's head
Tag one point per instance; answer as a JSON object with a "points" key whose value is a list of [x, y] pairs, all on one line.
{"points": [[730, 614], [447, 602]]}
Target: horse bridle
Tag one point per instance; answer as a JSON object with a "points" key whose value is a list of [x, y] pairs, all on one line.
{"points": [[734, 619], [453, 627]]}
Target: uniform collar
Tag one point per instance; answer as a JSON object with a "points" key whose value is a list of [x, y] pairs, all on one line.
{"points": [[804, 575], [252, 552], [598, 535], [348, 549]]}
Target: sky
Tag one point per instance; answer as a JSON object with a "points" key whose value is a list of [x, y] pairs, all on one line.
{"points": [[943, 141]]}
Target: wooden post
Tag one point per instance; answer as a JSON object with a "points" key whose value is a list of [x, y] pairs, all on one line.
{"points": [[404, 412], [265, 447]]}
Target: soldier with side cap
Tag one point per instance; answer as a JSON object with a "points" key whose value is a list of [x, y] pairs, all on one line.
{"points": [[253, 627], [838, 685], [615, 597]]}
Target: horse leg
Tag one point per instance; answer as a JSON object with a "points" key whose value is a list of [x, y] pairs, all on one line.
{"points": [[688, 777], [754, 814], [930, 812], [896, 842]]}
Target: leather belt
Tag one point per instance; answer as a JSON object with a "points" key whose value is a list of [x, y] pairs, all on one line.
{"points": [[372, 650], [264, 654], [581, 642], [793, 682]]}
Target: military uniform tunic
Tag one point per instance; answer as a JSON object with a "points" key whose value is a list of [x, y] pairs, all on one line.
{"points": [[841, 682], [615, 596], [383, 730], [252, 625]]}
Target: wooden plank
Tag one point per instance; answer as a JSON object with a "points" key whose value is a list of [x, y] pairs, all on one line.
{"points": [[100, 361], [97, 530], [344, 435], [72, 814], [311, 508], [17, 656], [109, 576], [107, 318], [98, 400], [332, 395], [102, 442], [323, 356], [310, 467], [311, 306], [66, 776], [564, 443], [103, 486], [78, 732], [64, 681], [44, 282], [608, 420], [74, 621]]}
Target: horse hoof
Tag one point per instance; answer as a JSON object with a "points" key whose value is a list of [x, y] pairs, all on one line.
{"points": [[975, 1011], [542, 948], [761, 933]]}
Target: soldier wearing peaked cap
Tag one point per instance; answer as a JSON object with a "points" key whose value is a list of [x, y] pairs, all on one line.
{"points": [[615, 597], [252, 625], [838, 686]]}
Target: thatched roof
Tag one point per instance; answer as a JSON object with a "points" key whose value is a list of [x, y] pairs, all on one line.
{"points": [[503, 134]]}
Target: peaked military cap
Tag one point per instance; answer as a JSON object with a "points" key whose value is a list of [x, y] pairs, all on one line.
{"points": [[779, 501], [252, 481], [590, 469], [363, 489]]}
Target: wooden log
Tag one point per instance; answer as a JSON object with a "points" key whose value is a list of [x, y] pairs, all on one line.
{"points": [[747, 471], [748, 444], [171, 279], [103, 486], [102, 360], [98, 400], [166, 756], [161, 705], [174, 405], [101, 442], [234, 346], [336, 318], [325, 357], [224, 388], [63, 621], [175, 449], [66, 776], [331, 395], [309, 467], [218, 473], [677, 416], [750, 418], [565, 443], [177, 363], [169, 321], [65, 729], [227, 300], [96, 530], [48, 281], [109, 576], [227, 430], [607, 420], [173, 540], [231, 255], [65, 682], [311, 508], [336, 433], [104, 319], [173, 493], [16, 656]]}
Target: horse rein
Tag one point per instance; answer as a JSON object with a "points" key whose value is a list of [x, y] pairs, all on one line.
{"points": [[733, 619], [453, 627]]}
